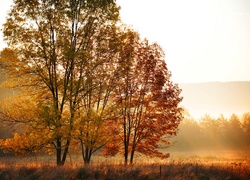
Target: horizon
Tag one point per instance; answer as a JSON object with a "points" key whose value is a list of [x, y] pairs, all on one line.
{"points": [[216, 98]]}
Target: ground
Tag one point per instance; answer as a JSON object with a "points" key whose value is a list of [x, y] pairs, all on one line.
{"points": [[178, 166]]}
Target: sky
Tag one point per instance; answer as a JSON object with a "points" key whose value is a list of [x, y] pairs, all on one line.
{"points": [[203, 40]]}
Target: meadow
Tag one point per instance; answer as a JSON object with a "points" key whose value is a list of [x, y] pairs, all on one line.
{"points": [[227, 166]]}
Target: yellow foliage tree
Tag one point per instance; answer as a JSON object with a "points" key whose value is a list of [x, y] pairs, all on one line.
{"points": [[52, 47]]}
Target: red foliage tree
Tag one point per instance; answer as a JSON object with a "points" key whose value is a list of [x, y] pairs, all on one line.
{"points": [[147, 101]]}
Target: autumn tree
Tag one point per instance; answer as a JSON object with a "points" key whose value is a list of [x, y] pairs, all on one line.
{"points": [[189, 136], [95, 108], [210, 129], [246, 123], [146, 99], [235, 132], [246, 127], [53, 44]]}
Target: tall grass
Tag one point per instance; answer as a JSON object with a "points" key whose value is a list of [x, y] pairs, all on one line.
{"points": [[177, 167]]}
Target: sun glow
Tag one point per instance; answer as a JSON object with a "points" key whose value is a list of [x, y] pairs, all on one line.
{"points": [[198, 36]]}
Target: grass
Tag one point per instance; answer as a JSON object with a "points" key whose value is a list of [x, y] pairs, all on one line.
{"points": [[179, 166]]}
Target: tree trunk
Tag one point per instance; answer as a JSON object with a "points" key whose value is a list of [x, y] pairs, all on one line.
{"points": [[125, 150], [66, 149], [125, 158], [125, 140], [133, 147], [132, 156], [60, 160], [58, 152], [87, 156]]}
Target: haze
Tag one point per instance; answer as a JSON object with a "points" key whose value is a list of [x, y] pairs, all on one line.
{"points": [[207, 45], [216, 98], [204, 40]]}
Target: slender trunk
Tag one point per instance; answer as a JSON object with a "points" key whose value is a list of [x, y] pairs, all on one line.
{"points": [[125, 153], [86, 155], [132, 156], [61, 158], [133, 149], [126, 141], [89, 157], [126, 157], [66, 149], [58, 152], [82, 148], [133, 146]]}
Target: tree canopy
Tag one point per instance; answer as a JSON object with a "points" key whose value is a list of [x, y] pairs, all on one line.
{"points": [[83, 82], [147, 100]]}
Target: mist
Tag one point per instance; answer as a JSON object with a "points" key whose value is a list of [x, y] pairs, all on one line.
{"points": [[212, 136]]}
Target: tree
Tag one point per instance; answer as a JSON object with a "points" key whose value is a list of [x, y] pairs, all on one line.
{"points": [[189, 137], [52, 44], [210, 129], [222, 124], [246, 128], [33, 121], [95, 109], [246, 123], [235, 132], [146, 99]]}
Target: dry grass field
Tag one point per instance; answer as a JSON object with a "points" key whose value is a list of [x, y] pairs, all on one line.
{"points": [[179, 167]]}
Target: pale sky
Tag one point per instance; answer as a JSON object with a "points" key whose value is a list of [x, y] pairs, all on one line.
{"points": [[204, 40]]}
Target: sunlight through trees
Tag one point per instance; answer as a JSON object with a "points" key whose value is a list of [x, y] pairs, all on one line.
{"points": [[82, 80]]}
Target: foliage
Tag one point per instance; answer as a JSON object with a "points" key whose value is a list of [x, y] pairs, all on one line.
{"points": [[84, 83], [215, 134], [146, 99], [246, 123], [53, 47]]}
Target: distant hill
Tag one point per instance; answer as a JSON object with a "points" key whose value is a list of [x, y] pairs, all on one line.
{"points": [[215, 98]]}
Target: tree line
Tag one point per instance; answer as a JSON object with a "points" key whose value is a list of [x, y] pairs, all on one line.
{"points": [[208, 133], [84, 81]]}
